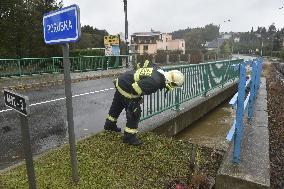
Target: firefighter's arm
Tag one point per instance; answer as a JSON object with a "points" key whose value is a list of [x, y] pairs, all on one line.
{"points": [[145, 86]]}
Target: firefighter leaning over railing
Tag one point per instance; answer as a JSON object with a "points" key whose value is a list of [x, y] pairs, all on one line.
{"points": [[130, 87]]}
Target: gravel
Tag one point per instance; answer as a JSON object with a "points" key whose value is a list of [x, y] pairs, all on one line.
{"points": [[275, 86]]}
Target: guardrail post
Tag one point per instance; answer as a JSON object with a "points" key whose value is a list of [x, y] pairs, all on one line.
{"points": [[206, 77], [53, 66], [252, 90], [177, 100], [240, 113], [20, 70]]}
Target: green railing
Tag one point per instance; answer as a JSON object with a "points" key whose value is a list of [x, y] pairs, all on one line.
{"points": [[199, 80], [30, 66]]}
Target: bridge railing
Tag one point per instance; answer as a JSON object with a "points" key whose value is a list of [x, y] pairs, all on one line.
{"points": [[30, 66], [199, 80], [242, 101]]}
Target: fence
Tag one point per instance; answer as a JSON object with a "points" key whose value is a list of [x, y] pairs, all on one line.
{"points": [[30, 66], [240, 102], [199, 80]]}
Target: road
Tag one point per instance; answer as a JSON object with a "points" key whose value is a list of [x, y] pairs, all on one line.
{"points": [[47, 120]]}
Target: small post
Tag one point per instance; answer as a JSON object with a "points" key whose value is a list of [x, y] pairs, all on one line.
{"points": [[28, 151], [202, 58], [188, 60], [68, 94], [178, 58], [167, 59], [153, 59], [240, 113]]}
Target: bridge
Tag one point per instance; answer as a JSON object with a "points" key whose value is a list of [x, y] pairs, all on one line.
{"points": [[206, 86]]}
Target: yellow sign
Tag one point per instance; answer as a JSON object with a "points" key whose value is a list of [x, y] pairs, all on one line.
{"points": [[111, 40]]}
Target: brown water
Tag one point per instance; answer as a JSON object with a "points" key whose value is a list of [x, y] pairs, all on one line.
{"points": [[212, 129]]}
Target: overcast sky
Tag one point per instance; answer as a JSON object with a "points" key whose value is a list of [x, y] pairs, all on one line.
{"points": [[171, 15]]}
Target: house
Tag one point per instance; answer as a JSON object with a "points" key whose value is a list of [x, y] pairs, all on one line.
{"points": [[215, 44], [150, 42]]}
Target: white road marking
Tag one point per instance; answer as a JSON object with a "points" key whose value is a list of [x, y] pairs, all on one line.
{"points": [[63, 98]]}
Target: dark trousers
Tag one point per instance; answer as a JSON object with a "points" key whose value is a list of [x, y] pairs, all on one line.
{"points": [[131, 106]]}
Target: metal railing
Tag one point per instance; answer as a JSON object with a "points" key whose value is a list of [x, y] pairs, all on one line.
{"points": [[199, 80], [240, 101], [30, 66]]}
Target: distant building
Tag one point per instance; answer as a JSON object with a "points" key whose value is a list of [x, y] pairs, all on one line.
{"points": [[150, 42], [237, 40], [226, 36], [215, 44]]}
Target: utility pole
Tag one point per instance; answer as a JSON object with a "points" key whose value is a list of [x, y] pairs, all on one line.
{"points": [[126, 29]]}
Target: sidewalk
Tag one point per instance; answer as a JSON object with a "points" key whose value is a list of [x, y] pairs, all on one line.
{"points": [[45, 80]]}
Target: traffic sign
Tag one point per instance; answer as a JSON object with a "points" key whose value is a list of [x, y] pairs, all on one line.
{"points": [[16, 102], [62, 26], [111, 40]]}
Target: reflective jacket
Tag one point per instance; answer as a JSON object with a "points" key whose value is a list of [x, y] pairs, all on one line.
{"points": [[143, 81]]}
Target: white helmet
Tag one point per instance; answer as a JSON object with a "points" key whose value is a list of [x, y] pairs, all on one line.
{"points": [[174, 78]]}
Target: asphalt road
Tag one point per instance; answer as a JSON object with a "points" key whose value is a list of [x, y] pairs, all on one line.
{"points": [[47, 120]]}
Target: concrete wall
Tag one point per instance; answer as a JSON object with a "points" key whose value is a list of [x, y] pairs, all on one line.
{"points": [[172, 122]]}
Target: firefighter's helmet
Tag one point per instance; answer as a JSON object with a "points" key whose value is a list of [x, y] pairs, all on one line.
{"points": [[175, 78]]}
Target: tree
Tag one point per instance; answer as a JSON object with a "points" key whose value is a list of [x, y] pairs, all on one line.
{"points": [[21, 28]]}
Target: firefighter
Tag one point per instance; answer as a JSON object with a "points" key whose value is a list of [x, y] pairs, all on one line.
{"points": [[130, 87]]}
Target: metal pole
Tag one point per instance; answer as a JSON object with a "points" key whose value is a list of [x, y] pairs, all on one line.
{"points": [[68, 94], [126, 30], [28, 151]]}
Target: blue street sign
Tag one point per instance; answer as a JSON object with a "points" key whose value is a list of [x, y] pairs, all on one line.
{"points": [[62, 26]]}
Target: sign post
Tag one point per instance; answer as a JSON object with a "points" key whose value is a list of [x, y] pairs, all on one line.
{"points": [[62, 27], [20, 103]]}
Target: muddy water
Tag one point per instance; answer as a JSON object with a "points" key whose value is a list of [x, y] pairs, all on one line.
{"points": [[212, 129]]}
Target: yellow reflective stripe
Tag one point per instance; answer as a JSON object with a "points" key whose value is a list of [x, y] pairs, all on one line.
{"points": [[123, 93], [137, 88], [137, 75], [111, 118], [138, 66], [169, 87], [146, 63], [132, 131]]}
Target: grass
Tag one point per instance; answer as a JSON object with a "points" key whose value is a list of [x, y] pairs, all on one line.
{"points": [[105, 162]]}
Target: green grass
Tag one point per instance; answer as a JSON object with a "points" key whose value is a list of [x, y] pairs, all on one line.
{"points": [[105, 162]]}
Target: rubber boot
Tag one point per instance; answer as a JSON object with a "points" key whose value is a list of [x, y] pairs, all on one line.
{"points": [[131, 139], [111, 126]]}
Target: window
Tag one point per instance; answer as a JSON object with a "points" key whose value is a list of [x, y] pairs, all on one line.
{"points": [[166, 47], [182, 44], [136, 47], [166, 39], [145, 48]]}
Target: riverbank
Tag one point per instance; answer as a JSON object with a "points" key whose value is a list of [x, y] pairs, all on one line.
{"points": [[105, 162]]}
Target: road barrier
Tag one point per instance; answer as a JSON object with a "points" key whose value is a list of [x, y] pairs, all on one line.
{"points": [[29, 66], [199, 80], [241, 101]]}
